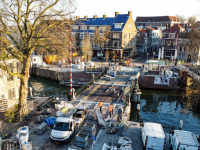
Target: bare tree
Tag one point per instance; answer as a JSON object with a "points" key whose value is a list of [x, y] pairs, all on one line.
{"points": [[86, 48], [181, 18], [192, 20], [25, 23], [101, 37]]}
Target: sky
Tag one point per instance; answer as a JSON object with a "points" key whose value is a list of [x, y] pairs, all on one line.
{"points": [[138, 7]]}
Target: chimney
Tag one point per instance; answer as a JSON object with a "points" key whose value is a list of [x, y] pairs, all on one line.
{"points": [[116, 13], [85, 17], [95, 16], [130, 13], [77, 17], [104, 16]]}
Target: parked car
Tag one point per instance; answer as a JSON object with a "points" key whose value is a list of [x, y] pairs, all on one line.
{"points": [[184, 140], [153, 136]]}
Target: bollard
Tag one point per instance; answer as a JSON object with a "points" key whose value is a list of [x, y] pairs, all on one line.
{"points": [[138, 112], [181, 125]]}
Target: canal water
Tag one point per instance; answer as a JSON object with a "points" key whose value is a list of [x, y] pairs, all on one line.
{"points": [[156, 106], [44, 85], [162, 107]]}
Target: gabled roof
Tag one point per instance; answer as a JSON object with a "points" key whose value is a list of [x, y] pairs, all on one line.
{"points": [[144, 31], [120, 18], [176, 28], [156, 19]]}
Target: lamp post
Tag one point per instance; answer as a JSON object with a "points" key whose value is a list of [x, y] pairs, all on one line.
{"points": [[147, 55]]}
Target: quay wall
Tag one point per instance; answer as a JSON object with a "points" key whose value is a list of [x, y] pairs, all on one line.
{"points": [[55, 75], [147, 82]]}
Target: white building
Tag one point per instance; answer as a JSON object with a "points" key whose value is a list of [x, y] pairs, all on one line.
{"points": [[9, 85]]}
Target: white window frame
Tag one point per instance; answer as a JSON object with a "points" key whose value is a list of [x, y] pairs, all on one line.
{"points": [[132, 43], [91, 35], [92, 27], [75, 27], [12, 94], [125, 35], [118, 25], [83, 27], [73, 34], [82, 35], [125, 43], [116, 35]]}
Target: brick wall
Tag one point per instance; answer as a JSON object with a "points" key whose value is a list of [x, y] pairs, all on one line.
{"points": [[147, 82], [51, 74]]}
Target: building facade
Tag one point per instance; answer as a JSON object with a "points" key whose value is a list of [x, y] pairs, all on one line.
{"points": [[9, 85], [122, 38], [155, 21]]}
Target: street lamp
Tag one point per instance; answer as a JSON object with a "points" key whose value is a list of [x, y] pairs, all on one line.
{"points": [[147, 55]]}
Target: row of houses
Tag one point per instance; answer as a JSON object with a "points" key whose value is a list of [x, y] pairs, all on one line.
{"points": [[128, 38]]}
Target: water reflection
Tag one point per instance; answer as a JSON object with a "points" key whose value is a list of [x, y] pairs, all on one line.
{"points": [[43, 84], [161, 106]]}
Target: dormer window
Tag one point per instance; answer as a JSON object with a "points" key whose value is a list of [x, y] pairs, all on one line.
{"points": [[83, 27], [118, 25], [171, 19], [92, 27], [75, 27]]}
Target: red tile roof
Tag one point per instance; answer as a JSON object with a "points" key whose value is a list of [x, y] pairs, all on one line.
{"points": [[156, 19], [144, 31], [150, 28], [176, 28]]}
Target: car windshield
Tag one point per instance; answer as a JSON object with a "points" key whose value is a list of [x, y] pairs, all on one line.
{"points": [[61, 126]]}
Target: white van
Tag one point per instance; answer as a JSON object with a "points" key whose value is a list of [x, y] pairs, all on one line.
{"points": [[184, 140], [63, 129], [153, 136]]}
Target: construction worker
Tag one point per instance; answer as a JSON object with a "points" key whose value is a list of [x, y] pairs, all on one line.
{"points": [[112, 107], [110, 110], [100, 105]]}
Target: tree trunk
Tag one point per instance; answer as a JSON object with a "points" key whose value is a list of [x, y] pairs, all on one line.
{"points": [[23, 109]]}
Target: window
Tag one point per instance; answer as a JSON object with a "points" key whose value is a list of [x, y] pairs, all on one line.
{"points": [[73, 35], [92, 27], [118, 26], [75, 27], [180, 49], [9, 77], [172, 35], [125, 35], [91, 35], [174, 44], [19, 67], [82, 36], [83, 27], [116, 35], [179, 56], [116, 44], [133, 35], [11, 93], [168, 42], [125, 43], [132, 43]]}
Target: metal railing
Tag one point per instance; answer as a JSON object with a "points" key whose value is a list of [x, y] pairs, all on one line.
{"points": [[190, 73]]}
